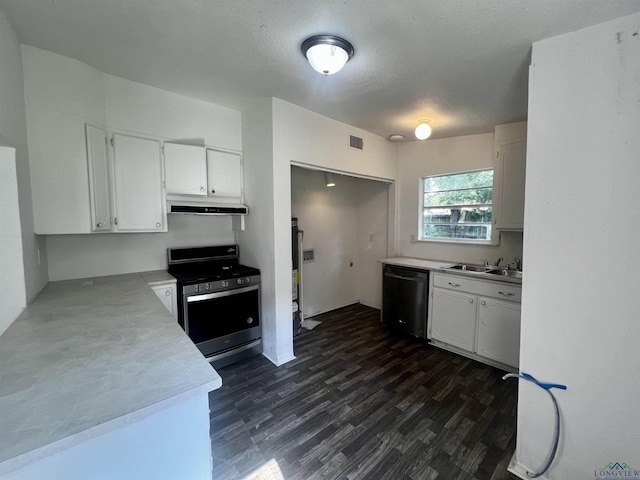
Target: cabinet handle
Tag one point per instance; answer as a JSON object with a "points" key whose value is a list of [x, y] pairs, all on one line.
{"points": [[158, 225], [471, 300], [99, 225], [402, 322], [167, 293], [202, 189], [507, 294], [483, 302], [213, 190], [454, 284]]}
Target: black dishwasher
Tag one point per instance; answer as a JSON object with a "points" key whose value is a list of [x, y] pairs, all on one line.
{"points": [[404, 300]]}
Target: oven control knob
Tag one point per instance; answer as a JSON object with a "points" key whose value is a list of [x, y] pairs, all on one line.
{"points": [[225, 283], [198, 288], [249, 320], [239, 281], [207, 286], [247, 280]]}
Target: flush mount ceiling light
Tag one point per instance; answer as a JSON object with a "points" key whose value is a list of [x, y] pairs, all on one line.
{"points": [[327, 54], [329, 179], [423, 130], [396, 138]]}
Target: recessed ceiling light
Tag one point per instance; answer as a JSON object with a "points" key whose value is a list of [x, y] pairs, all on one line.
{"points": [[327, 54]]}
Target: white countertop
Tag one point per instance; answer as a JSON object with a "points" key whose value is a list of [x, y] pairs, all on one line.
{"points": [[87, 357], [423, 264], [416, 263], [158, 277]]}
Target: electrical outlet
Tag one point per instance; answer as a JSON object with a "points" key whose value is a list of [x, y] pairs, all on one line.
{"points": [[412, 238], [371, 237]]}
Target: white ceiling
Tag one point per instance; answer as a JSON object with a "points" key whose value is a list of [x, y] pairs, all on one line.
{"points": [[461, 63]]}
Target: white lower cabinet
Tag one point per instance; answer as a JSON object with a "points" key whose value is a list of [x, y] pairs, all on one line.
{"points": [[480, 319], [167, 294], [454, 318], [499, 330]]}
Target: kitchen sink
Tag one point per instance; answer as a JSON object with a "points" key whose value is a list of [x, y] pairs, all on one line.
{"points": [[487, 270], [506, 273], [470, 268]]}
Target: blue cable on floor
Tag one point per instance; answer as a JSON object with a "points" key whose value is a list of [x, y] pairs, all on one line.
{"points": [[547, 387]]}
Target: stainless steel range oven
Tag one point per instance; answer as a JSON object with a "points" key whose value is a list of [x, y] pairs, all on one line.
{"points": [[218, 302]]}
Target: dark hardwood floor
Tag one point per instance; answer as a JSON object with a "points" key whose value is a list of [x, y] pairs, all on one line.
{"points": [[360, 402]]}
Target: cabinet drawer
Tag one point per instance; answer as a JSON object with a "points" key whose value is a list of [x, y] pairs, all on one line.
{"points": [[486, 288]]}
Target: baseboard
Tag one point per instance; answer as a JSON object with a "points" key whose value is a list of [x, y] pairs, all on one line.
{"points": [[282, 362], [331, 309], [520, 470]]}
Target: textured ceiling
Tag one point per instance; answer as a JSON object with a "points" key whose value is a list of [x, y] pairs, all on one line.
{"points": [[461, 63]]}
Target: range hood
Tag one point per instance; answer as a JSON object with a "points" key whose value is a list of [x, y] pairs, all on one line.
{"points": [[201, 207]]}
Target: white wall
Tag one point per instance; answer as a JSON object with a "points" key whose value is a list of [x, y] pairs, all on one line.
{"points": [[440, 156], [135, 107], [329, 218], [258, 246], [12, 298], [79, 93], [338, 223], [581, 328], [99, 254], [372, 240], [305, 137], [275, 134], [13, 129]]}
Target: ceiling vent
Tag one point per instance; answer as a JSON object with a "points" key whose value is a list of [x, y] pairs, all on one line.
{"points": [[356, 143]]}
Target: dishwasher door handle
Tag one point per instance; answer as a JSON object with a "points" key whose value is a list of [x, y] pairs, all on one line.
{"points": [[402, 277]]}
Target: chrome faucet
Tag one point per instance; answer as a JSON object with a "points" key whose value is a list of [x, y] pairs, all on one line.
{"points": [[498, 261], [518, 264]]}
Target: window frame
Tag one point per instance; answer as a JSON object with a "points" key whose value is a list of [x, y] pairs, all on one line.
{"points": [[493, 240]]}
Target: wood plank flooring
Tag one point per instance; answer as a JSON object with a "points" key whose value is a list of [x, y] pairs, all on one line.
{"points": [[360, 402]]}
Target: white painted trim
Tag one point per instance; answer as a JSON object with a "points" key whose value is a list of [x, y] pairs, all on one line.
{"points": [[520, 471], [334, 308], [310, 166], [286, 360]]}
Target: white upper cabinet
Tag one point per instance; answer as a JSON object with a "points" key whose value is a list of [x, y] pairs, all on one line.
{"points": [[97, 161], [185, 169], [139, 194], [509, 178], [224, 172]]}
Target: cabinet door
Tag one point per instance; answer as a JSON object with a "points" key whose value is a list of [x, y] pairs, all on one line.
{"points": [[224, 173], [138, 184], [454, 318], [499, 331], [98, 178], [59, 172], [510, 182], [167, 295], [185, 169]]}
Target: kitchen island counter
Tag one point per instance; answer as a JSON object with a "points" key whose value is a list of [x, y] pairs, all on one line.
{"points": [[89, 357]]}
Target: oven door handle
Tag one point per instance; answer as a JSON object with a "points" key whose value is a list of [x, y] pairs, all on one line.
{"points": [[226, 293]]}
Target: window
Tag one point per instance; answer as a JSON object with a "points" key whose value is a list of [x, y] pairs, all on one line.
{"points": [[457, 207]]}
